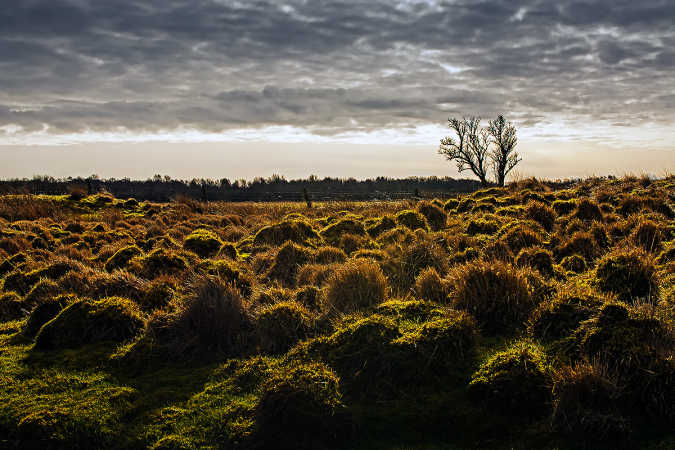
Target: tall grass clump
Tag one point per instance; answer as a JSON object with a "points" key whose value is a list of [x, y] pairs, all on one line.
{"points": [[354, 285]]}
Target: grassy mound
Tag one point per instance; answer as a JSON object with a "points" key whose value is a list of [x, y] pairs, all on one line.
{"points": [[86, 321], [203, 242], [435, 216], [333, 232], [412, 220], [287, 261], [496, 294], [514, 381], [630, 274], [354, 285], [46, 311], [297, 231], [282, 325], [122, 257], [300, 408]]}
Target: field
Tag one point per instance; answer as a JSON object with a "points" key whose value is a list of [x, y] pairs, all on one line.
{"points": [[517, 317]]}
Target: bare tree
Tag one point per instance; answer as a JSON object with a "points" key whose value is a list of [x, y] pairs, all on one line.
{"points": [[504, 157], [471, 148]]}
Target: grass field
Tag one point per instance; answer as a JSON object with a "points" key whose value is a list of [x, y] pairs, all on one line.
{"points": [[518, 317]]}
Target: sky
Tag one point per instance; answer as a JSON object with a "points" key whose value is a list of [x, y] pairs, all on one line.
{"points": [[238, 89]]}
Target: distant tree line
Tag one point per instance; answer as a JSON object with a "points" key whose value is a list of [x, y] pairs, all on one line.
{"points": [[276, 187]]}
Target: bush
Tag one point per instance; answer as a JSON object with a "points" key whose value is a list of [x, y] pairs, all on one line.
{"points": [[333, 232], [328, 255], [46, 311], [537, 258], [649, 235], [297, 231], [541, 213], [282, 325], [355, 284], [557, 318], [435, 216], [495, 293], [588, 210], [122, 257], [574, 263], [212, 317], [203, 242], [381, 225], [11, 307], [429, 286], [514, 381], [412, 220], [87, 321], [481, 226], [299, 408], [562, 207], [630, 274], [586, 404], [228, 250], [287, 261]]}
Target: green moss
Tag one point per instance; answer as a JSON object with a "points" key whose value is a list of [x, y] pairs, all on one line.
{"points": [[203, 242], [122, 257], [87, 321]]}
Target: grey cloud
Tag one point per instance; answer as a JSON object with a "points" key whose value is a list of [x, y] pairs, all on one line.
{"points": [[85, 64]]}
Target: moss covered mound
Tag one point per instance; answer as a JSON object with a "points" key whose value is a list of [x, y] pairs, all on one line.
{"points": [[514, 381], [122, 257], [87, 321], [282, 325], [300, 408], [203, 242], [629, 274]]}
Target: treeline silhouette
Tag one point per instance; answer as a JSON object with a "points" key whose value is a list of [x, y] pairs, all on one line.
{"points": [[164, 188]]}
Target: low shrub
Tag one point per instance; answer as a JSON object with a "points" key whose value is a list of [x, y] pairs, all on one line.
{"points": [[88, 321], [496, 294], [514, 381], [354, 285], [203, 242]]}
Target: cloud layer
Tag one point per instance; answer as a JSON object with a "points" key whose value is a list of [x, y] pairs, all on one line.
{"points": [[332, 66]]}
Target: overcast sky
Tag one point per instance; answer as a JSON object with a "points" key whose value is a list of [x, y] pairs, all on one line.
{"points": [[223, 80]]}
